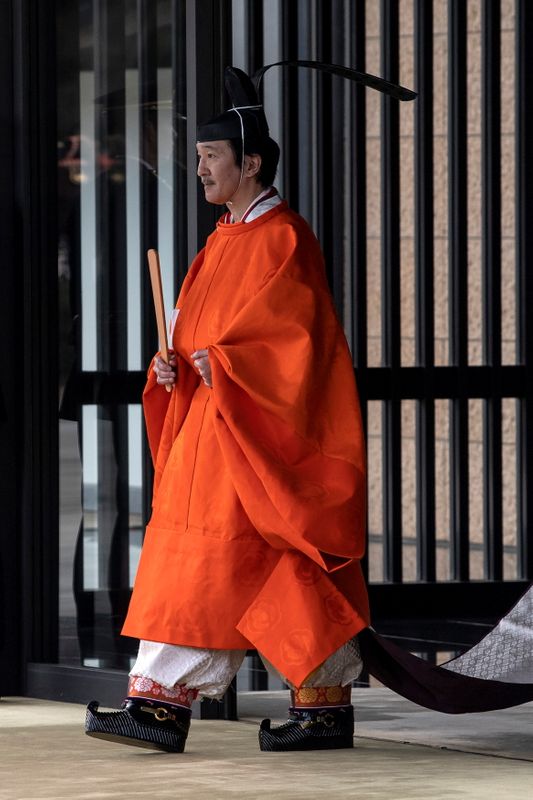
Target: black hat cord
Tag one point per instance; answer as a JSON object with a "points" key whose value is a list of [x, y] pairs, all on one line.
{"points": [[238, 110]]}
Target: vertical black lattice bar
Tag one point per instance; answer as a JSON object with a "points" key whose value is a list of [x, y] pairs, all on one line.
{"points": [[458, 280], [335, 216], [358, 342], [358, 193], [424, 276], [291, 122], [390, 266], [491, 263], [524, 246], [325, 179]]}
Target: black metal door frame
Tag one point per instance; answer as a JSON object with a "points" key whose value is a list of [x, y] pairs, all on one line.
{"points": [[28, 455]]}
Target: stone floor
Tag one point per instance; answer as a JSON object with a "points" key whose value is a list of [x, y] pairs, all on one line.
{"points": [[401, 751]]}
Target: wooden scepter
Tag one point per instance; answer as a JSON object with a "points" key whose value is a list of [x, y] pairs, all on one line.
{"points": [[157, 292]]}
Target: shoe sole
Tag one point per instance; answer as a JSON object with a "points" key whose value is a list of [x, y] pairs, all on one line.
{"points": [[117, 739], [308, 744]]}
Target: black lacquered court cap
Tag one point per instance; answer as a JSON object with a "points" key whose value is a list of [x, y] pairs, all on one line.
{"points": [[246, 117]]}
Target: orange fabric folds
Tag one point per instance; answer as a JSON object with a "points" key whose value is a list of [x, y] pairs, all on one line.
{"points": [[259, 504]]}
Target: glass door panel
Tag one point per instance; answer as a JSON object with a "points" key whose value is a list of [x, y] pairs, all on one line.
{"points": [[118, 183]]}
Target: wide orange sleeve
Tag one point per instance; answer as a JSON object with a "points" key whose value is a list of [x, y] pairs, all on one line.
{"points": [[288, 419]]}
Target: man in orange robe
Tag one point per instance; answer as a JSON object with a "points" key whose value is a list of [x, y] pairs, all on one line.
{"points": [[258, 522]]}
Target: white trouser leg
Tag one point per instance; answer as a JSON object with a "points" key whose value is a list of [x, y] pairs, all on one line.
{"points": [[341, 668], [209, 671]]}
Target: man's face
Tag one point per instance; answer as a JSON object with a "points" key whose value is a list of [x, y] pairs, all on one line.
{"points": [[218, 171]]}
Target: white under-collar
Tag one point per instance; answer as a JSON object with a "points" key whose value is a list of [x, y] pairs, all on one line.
{"points": [[265, 201]]}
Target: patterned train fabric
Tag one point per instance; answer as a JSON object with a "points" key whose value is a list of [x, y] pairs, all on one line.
{"points": [[496, 673], [506, 653]]}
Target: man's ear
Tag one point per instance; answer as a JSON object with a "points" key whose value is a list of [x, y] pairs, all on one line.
{"points": [[252, 165]]}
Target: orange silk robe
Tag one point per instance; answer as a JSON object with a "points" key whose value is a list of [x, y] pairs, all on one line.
{"points": [[258, 520]]}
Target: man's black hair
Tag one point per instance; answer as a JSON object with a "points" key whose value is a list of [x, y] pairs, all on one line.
{"points": [[269, 152]]}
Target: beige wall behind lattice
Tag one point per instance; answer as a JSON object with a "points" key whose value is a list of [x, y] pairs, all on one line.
{"points": [[441, 309]]}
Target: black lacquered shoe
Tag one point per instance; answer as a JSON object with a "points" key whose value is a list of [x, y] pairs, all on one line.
{"points": [[310, 729], [140, 724]]}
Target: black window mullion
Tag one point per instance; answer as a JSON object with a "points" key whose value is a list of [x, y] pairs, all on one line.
{"points": [[458, 279], [424, 277], [109, 70], [207, 54], [146, 58], [390, 268], [524, 260], [491, 264], [111, 259], [148, 195], [254, 22]]}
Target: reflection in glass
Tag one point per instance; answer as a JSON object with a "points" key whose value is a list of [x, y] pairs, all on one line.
{"points": [[89, 496], [135, 449], [69, 524], [375, 491], [106, 149], [165, 172], [87, 243], [133, 220]]}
